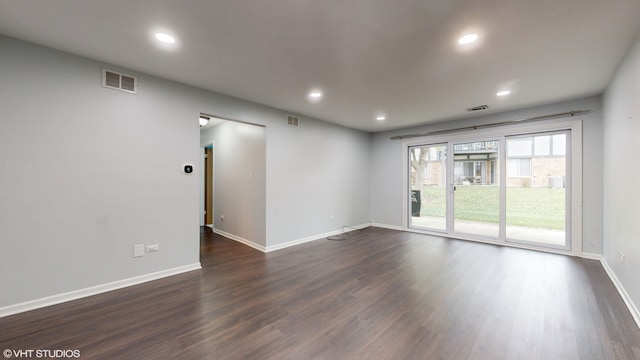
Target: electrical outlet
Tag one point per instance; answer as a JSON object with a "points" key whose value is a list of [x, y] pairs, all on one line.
{"points": [[153, 248], [221, 217], [138, 250]]}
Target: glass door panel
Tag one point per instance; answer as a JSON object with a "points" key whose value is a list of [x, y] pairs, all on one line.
{"points": [[476, 188], [428, 183], [536, 193]]}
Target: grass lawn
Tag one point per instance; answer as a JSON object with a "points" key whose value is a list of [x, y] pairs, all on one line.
{"points": [[531, 207]]}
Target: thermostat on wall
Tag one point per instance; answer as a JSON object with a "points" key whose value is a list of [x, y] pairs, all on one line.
{"points": [[187, 169]]}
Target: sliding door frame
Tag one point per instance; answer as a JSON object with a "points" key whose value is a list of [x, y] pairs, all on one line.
{"points": [[574, 211]]}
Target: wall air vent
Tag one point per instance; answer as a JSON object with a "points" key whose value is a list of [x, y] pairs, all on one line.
{"points": [[478, 108], [293, 121], [118, 81]]}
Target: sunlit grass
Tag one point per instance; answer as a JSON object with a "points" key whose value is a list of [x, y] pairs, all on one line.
{"points": [[538, 207]]}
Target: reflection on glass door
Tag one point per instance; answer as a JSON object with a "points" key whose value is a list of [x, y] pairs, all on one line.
{"points": [[537, 189], [428, 181], [476, 185]]}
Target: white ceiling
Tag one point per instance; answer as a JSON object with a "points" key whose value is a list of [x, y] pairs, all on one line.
{"points": [[397, 57]]}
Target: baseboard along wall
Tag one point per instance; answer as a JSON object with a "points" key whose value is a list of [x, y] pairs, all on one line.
{"points": [[631, 305], [93, 290], [98, 289]]}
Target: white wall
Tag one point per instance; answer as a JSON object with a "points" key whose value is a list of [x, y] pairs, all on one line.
{"points": [[87, 172], [387, 167], [240, 179], [621, 173]]}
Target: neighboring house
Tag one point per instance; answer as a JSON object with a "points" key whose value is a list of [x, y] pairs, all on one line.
{"points": [[538, 161]]}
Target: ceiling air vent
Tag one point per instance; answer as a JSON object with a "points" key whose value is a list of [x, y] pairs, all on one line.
{"points": [[118, 81], [293, 120], [478, 108]]}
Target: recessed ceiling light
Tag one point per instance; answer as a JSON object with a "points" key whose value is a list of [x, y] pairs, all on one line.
{"points": [[380, 117], [165, 38], [503, 93], [468, 39], [314, 95]]}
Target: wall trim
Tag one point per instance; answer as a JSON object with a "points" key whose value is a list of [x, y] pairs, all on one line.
{"points": [[238, 239], [591, 256], [633, 309], [390, 227], [314, 237], [94, 290]]}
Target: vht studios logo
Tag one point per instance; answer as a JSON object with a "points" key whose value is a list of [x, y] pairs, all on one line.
{"points": [[40, 353]]}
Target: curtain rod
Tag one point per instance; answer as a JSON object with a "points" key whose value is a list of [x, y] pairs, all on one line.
{"points": [[475, 127]]}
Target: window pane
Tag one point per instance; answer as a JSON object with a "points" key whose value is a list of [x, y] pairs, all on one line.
{"points": [[559, 145], [536, 194], [433, 154], [512, 167], [542, 145], [476, 199], [525, 167], [428, 195], [520, 147]]}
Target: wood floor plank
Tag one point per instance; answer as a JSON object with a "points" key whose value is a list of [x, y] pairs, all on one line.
{"points": [[381, 294]]}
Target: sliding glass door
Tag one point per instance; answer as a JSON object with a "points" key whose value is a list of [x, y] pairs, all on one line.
{"points": [[476, 195], [537, 189], [508, 188], [428, 195]]}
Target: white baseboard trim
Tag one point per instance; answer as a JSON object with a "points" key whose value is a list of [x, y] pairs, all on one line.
{"points": [[239, 239], [314, 237], [390, 227], [591, 256], [93, 290], [622, 291]]}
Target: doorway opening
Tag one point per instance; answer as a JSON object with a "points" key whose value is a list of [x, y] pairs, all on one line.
{"points": [[233, 179], [208, 184]]}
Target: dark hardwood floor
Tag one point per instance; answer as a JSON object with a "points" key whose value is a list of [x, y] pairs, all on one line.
{"points": [[381, 294]]}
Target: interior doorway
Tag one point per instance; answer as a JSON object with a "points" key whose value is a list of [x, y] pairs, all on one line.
{"points": [[233, 179]]}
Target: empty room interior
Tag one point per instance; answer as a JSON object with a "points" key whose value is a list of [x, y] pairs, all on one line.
{"points": [[216, 179]]}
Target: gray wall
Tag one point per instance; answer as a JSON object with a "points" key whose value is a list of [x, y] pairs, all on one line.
{"points": [[239, 152], [88, 172], [621, 173], [387, 167], [315, 171]]}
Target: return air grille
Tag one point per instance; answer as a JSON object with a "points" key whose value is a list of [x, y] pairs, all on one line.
{"points": [[293, 121], [118, 81]]}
